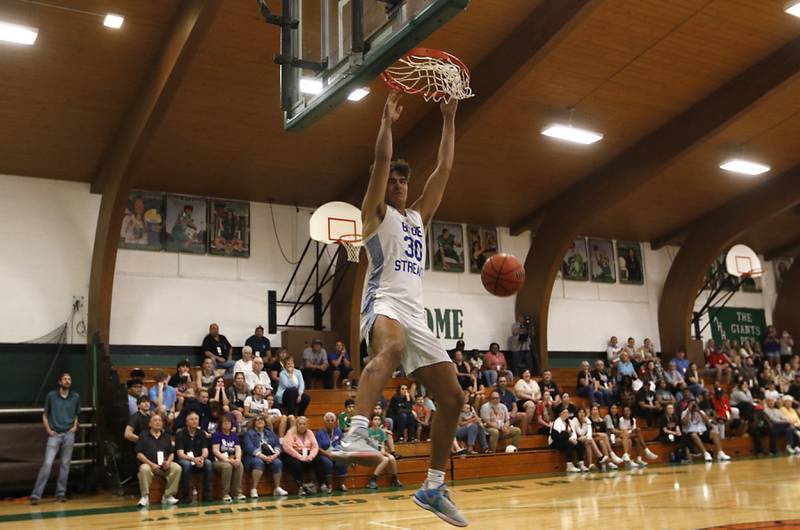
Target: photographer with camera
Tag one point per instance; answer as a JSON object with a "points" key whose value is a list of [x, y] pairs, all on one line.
{"points": [[520, 344]]}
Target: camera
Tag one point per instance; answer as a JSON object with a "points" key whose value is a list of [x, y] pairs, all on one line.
{"points": [[525, 329]]}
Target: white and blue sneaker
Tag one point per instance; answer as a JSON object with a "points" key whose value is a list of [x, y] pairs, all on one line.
{"points": [[356, 445], [437, 500]]}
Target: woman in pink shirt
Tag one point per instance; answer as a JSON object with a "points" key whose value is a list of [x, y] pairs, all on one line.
{"points": [[494, 359], [300, 452]]}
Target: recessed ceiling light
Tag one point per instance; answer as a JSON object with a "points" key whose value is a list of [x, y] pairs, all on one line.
{"points": [[311, 86], [18, 34], [113, 21], [793, 8], [358, 94], [572, 134], [746, 167]]}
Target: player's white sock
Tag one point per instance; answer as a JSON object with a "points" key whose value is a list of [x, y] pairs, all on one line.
{"points": [[359, 422], [435, 478]]}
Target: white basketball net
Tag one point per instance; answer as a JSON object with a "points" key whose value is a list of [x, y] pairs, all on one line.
{"points": [[351, 247], [435, 78]]}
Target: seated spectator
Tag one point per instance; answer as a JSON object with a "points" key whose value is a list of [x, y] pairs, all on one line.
{"points": [[582, 428], [301, 452], [262, 451], [275, 419], [205, 376], [339, 366], [646, 404], [625, 367], [647, 351], [519, 417], [245, 364], [163, 397], [155, 455], [216, 413], [694, 380], [787, 345], [139, 421], [315, 364], [563, 438], [218, 393], [291, 391], [527, 393], [182, 376], [495, 360], [258, 376], [274, 366], [328, 439], [600, 435], [785, 378], [566, 404], [191, 449], [549, 385], [794, 388], [476, 364], [720, 366], [603, 383], [134, 393], [681, 362], [227, 452], [664, 395], [777, 425], [673, 376], [258, 343], [198, 405], [585, 383], [378, 436], [422, 419], [771, 392], [612, 351], [742, 399], [695, 425], [544, 415], [669, 432], [648, 372], [789, 412], [633, 352], [400, 410], [772, 346], [470, 429], [255, 405], [623, 427], [347, 414], [388, 428], [217, 348], [463, 370], [237, 394], [497, 422]]}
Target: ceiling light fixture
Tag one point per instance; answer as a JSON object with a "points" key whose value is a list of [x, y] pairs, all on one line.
{"points": [[793, 8], [572, 134], [18, 34], [311, 86], [113, 21], [358, 94], [745, 167]]}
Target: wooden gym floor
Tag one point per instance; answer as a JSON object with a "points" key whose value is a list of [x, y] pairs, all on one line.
{"points": [[752, 493]]}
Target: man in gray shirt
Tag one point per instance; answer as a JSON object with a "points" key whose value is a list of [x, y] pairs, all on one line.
{"points": [[315, 364]]}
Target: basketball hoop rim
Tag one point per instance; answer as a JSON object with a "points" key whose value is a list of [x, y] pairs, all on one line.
{"points": [[424, 52], [755, 273], [349, 239]]}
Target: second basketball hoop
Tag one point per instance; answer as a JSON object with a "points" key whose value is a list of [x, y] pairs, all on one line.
{"points": [[433, 74]]}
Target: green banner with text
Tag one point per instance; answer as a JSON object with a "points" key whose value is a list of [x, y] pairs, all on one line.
{"points": [[738, 323]]}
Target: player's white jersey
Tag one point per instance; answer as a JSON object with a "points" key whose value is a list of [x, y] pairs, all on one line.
{"points": [[396, 253]]}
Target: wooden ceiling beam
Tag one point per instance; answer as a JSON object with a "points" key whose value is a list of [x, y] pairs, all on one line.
{"points": [[707, 238], [787, 249], [495, 76], [786, 315]]}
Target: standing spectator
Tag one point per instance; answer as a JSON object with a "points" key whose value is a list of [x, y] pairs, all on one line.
{"points": [[291, 391], [600, 435], [400, 410], [612, 351], [315, 364], [379, 437], [495, 360], [245, 364], [163, 397], [583, 430], [262, 451], [519, 343], [60, 420], [772, 346], [155, 454], [544, 414], [205, 375], [497, 422], [302, 452], [237, 394], [669, 432], [258, 377], [328, 439], [695, 427], [227, 453], [139, 421], [191, 448], [470, 429], [258, 342], [339, 366], [548, 384], [217, 348], [134, 393], [422, 419], [603, 383], [563, 438]]}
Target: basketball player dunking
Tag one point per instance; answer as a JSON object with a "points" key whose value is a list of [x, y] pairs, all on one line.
{"points": [[392, 316]]}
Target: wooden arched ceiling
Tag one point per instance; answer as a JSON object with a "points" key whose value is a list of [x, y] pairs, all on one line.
{"points": [[629, 66]]}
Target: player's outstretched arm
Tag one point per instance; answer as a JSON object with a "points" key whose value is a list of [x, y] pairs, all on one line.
{"points": [[432, 195], [373, 209]]}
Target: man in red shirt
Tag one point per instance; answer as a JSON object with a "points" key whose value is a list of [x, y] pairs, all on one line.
{"points": [[494, 359], [719, 363]]}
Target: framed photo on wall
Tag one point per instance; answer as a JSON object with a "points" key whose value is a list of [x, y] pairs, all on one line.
{"points": [[229, 228], [143, 221], [630, 262], [447, 240], [575, 264], [186, 224], [481, 245], [601, 259]]}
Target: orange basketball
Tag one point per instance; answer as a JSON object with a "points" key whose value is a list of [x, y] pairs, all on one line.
{"points": [[503, 275]]}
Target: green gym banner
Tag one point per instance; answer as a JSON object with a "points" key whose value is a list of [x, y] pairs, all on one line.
{"points": [[738, 323]]}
